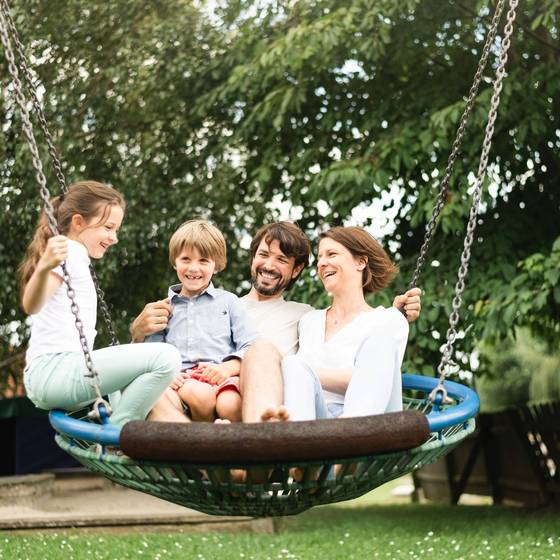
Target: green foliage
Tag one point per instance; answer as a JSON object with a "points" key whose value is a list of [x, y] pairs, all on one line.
{"points": [[519, 372], [223, 110], [532, 298]]}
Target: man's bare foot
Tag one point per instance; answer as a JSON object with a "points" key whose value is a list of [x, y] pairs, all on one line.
{"points": [[275, 414]]}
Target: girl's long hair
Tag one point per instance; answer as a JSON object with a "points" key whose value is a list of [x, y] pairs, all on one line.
{"points": [[87, 198]]}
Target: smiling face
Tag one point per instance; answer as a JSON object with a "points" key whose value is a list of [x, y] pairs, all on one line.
{"points": [[271, 270], [194, 271], [338, 269], [99, 233]]}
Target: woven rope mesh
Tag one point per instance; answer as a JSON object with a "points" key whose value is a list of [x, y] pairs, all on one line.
{"points": [[268, 489]]}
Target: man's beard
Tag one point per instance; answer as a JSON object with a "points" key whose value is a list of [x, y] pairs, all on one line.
{"points": [[273, 290]]}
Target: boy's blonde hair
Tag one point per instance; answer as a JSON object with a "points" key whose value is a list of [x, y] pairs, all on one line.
{"points": [[205, 237]]}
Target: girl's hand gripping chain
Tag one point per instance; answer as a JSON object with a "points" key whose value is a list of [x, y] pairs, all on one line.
{"points": [[56, 252]]}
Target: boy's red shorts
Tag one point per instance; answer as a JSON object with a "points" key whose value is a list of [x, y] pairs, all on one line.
{"points": [[230, 384]]}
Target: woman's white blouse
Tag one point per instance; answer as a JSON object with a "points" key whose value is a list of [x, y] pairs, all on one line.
{"points": [[339, 352]]}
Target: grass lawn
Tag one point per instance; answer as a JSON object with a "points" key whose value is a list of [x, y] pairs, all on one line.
{"points": [[369, 528]]}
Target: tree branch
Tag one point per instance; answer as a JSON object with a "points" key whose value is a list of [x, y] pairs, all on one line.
{"points": [[519, 24], [11, 360]]}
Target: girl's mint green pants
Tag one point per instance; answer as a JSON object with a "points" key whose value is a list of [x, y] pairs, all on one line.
{"points": [[141, 371]]}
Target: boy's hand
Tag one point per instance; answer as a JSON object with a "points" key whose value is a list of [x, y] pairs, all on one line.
{"points": [[152, 319], [409, 303], [56, 252], [213, 373], [179, 381]]}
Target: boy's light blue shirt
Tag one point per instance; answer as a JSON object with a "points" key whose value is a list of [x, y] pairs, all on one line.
{"points": [[211, 327]]}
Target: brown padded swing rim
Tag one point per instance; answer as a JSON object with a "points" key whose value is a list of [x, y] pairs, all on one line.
{"points": [[274, 442]]}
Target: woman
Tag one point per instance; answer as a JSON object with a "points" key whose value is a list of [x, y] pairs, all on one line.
{"points": [[350, 354]]}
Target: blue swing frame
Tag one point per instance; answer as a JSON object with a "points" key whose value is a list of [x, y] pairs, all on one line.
{"points": [[466, 407]]}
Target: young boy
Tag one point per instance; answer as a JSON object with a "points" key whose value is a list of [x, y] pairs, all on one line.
{"points": [[208, 325]]}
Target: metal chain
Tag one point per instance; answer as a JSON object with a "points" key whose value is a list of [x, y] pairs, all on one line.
{"points": [[481, 173], [104, 307], [45, 195], [442, 195], [32, 90]]}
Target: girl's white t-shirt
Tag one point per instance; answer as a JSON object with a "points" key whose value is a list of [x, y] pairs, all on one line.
{"points": [[53, 328], [339, 352]]}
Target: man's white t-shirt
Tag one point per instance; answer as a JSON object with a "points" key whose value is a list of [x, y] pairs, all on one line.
{"points": [[277, 320], [339, 352], [53, 328]]}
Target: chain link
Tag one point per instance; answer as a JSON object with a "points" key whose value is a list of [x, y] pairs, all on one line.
{"points": [[32, 90], [445, 362], [45, 194], [442, 195]]}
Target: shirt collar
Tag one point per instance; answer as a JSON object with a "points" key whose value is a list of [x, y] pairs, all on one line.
{"points": [[175, 292], [81, 248], [251, 300]]}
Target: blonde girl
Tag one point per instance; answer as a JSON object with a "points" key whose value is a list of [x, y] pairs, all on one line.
{"points": [[88, 216]]}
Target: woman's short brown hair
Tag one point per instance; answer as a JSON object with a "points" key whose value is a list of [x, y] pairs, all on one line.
{"points": [[379, 270], [205, 237]]}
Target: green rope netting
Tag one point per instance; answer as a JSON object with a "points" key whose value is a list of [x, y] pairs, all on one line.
{"points": [[268, 489]]}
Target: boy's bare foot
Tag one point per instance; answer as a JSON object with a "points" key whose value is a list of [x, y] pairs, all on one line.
{"points": [[275, 414]]}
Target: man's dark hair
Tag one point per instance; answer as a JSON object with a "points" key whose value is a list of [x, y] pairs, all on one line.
{"points": [[293, 242]]}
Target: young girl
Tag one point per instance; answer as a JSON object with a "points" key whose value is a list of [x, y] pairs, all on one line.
{"points": [[88, 216]]}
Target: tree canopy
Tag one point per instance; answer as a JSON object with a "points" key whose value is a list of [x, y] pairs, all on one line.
{"points": [[233, 110]]}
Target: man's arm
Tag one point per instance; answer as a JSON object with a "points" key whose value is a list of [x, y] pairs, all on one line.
{"points": [[152, 319], [409, 304]]}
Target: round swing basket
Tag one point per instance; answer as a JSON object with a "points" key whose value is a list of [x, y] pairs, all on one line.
{"points": [[274, 487]]}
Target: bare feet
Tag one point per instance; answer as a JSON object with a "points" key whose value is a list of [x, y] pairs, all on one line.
{"points": [[258, 475], [308, 474], [275, 414], [340, 471], [236, 475]]}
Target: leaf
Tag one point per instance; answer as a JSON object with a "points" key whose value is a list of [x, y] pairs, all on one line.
{"points": [[536, 22], [552, 276]]}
